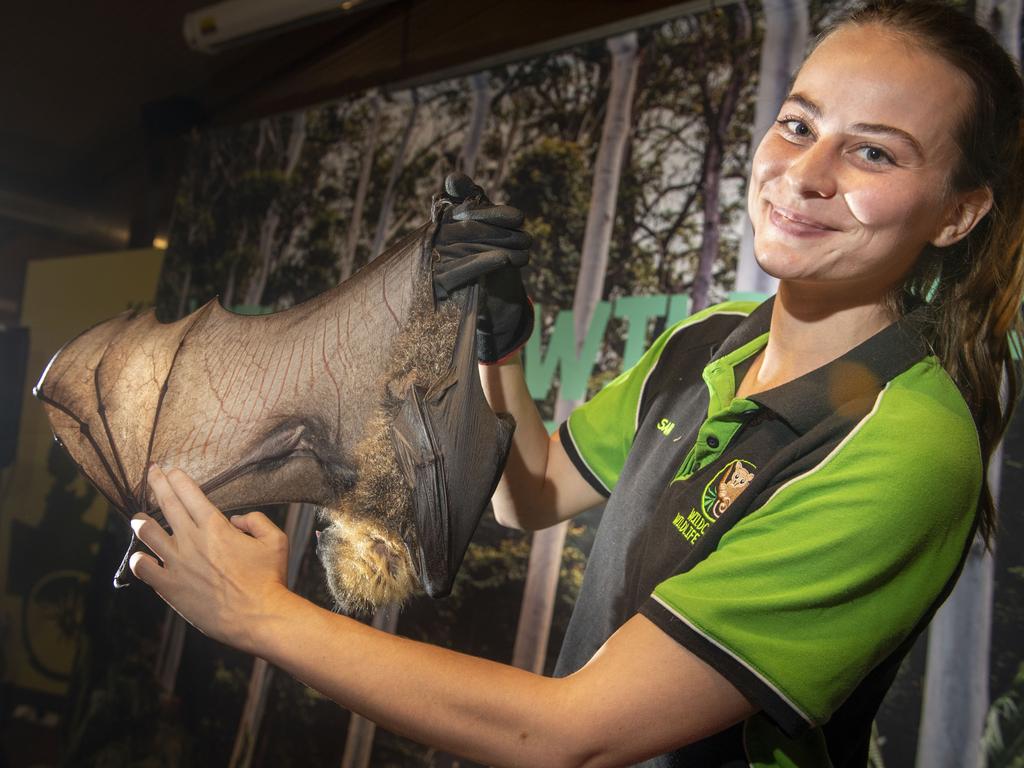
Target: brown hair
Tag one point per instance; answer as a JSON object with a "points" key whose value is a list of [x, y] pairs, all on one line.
{"points": [[972, 289]]}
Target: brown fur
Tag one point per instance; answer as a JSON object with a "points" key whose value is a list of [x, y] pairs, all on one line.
{"points": [[363, 550]]}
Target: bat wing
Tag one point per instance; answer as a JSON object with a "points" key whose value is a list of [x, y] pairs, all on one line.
{"points": [[272, 408], [258, 409], [451, 449]]}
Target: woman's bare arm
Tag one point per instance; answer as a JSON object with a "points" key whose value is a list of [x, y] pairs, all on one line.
{"points": [[540, 486], [642, 693]]}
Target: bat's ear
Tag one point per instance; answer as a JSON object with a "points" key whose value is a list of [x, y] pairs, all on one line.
{"points": [[451, 449]]}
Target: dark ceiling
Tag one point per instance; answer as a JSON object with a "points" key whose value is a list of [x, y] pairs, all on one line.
{"points": [[97, 95]]}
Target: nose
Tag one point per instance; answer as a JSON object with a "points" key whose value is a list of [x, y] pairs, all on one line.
{"points": [[813, 172]]}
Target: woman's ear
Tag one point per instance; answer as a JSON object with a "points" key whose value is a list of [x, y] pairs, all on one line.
{"points": [[964, 213]]}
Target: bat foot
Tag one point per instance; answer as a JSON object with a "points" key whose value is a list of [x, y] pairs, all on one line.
{"points": [[123, 576]]}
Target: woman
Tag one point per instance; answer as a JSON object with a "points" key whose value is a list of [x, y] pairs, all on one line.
{"points": [[791, 488]]}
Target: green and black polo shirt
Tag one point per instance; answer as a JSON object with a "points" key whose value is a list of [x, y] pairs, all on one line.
{"points": [[796, 540]]}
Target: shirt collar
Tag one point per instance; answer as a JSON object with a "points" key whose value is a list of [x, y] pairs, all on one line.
{"points": [[841, 384]]}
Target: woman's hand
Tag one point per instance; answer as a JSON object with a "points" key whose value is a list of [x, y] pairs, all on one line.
{"points": [[221, 576]]}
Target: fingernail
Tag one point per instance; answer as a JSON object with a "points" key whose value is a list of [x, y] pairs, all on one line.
{"points": [[136, 523]]}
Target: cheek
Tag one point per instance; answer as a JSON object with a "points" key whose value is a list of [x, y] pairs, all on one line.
{"points": [[765, 167], [878, 206], [871, 207]]}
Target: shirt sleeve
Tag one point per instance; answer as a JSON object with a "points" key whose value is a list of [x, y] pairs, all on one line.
{"points": [[819, 584]]}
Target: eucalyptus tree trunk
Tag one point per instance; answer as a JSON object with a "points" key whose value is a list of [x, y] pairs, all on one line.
{"points": [[1003, 19], [717, 117], [168, 657], [480, 84], [546, 550], [508, 147], [348, 257], [786, 31], [298, 526], [388, 201], [268, 229], [956, 696]]}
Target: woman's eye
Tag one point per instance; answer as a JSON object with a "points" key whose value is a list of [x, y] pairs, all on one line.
{"points": [[795, 127], [875, 155]]}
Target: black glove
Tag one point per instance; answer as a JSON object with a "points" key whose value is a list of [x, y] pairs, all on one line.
{"points": [[480, 241]]}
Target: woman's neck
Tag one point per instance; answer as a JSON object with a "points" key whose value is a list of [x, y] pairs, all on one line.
{"points": [[808, 330]]}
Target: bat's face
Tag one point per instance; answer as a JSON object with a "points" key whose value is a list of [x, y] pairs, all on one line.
{"points": [[366, 564]]}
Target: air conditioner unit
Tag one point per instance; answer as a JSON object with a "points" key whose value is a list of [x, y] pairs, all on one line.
{"points": [[236, 22]]}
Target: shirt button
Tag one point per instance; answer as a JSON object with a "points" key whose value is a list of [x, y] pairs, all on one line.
{"points": [[712, 441]]}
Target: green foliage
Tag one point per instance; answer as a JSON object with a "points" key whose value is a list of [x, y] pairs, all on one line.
{"points": [[1003, 739], [550, 183]]}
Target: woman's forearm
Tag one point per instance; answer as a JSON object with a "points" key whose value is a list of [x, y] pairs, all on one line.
{"points": [[519, 500], [486, 711], [540, 486], [642, 694]]}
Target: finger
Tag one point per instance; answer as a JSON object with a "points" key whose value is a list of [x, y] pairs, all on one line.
{"points": [[482, 232], [200, 508], [456, 273], [152, 535], [460, 186], [147, 569], [498, 215], [257, 525], [170, 505]]}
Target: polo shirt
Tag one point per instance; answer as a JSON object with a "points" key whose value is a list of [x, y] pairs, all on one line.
{"points": [[796, 540]]}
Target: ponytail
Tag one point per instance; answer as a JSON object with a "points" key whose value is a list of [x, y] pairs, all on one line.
{"points": [[973, 289]]}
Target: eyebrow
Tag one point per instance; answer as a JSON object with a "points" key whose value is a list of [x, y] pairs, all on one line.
{"points": [[875, 128]]}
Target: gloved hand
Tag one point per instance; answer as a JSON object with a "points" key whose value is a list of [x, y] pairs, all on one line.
{"points": [[480, 241]]}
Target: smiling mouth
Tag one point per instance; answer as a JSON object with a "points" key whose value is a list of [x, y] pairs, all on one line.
{"points": [[795, 224]]}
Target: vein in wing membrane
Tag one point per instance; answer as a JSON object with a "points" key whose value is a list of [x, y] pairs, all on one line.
{"points": [[131, 376], [68, 391]]}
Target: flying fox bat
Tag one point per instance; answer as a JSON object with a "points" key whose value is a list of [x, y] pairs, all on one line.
{"points": [[364, 400]]}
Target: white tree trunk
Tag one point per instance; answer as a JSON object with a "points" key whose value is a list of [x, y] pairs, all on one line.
{"points": [[480, 84], [1002, 18], [298, 526], [388, 202], [546, 550], [168, 657], [348, 256], [268, 230], [786, 31], [956, 695]]}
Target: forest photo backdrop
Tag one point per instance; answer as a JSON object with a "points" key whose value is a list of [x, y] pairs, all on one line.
{"points": [[629, 157]]}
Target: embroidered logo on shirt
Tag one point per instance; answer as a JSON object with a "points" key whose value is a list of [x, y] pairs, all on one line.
{"points": [[665, 427], [692, 525], [726, 486], [718, 496]]}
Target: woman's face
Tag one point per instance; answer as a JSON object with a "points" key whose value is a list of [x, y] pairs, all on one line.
{"points": [[851, 182]]}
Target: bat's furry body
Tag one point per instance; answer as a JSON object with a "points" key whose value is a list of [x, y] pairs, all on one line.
{"points": [[311, 404]]}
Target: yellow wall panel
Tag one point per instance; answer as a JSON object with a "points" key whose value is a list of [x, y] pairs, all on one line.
{"points": [[49, 532]]}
